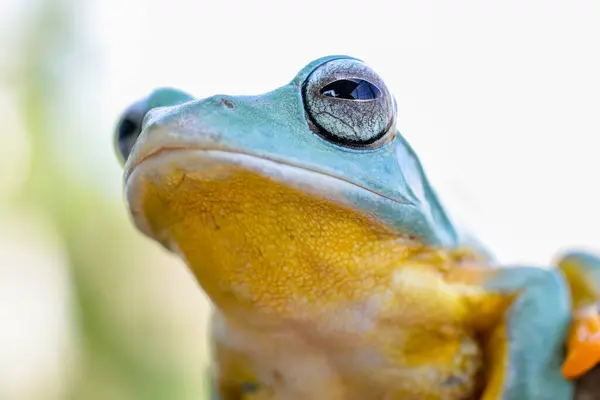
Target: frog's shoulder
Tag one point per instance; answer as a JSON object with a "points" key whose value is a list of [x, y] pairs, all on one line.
{"points": [[449, 227], [466, 238]]}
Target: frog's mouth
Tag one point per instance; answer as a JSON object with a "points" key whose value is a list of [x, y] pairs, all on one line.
{"points": [[182, 180], [228, 154]]}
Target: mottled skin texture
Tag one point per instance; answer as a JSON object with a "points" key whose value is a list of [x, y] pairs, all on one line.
{"points": [[334, 271]]}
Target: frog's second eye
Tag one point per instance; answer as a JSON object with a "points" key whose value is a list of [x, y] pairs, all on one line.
{"points": [[130, 128], [348, 104]]}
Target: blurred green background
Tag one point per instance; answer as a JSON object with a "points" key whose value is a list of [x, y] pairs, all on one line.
{"points": [[90, 309]]}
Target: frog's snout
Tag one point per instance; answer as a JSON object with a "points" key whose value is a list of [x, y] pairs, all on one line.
{"points": [[130, 125], [129, 128]]}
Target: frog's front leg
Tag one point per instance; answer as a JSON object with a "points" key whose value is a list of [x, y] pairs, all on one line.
{"points": [[582, 272], [524, 349]]}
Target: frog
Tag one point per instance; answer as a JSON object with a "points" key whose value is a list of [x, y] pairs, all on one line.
{"points": [[332, 268]]}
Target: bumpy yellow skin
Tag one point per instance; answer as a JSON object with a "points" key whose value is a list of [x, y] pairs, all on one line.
{"points": [[316, 301]]}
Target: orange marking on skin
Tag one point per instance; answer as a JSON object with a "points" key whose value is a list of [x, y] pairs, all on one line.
{"points": [[583, 346]]}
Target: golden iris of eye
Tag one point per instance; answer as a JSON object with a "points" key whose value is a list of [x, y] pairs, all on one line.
{"points": [[351, 89]]}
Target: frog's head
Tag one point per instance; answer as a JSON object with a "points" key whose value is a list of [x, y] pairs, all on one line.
{"points": [[317, 160]]}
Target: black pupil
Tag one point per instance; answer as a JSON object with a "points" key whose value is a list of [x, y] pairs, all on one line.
{"points": [[351, 89], [127, 128]]}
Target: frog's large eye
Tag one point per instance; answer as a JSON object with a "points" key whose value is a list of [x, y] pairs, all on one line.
{"points": [[349, 104], [129, 128]]}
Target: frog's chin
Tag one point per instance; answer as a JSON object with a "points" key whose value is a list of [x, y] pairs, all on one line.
{"points": [[174, 184]]}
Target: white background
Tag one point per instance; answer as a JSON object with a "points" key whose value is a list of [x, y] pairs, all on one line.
{"points": [[500, 99]]}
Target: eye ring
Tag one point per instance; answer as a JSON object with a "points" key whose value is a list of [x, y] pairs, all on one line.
{"points": [[348, 104]]}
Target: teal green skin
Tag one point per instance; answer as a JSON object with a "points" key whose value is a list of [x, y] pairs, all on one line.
{"points": [[275, 126], [279, 131]]}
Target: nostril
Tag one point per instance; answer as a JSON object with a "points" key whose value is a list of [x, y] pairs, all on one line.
{"points": [[228, 103]]}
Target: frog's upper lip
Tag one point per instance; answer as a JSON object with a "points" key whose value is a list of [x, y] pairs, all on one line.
{"points": [[130, 167]]}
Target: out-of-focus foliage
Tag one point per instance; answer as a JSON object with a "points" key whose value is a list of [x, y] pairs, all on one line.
{"points": [[89, 309]]}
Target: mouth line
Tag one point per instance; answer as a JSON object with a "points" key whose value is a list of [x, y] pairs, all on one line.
{"points": [[181, 148]]}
